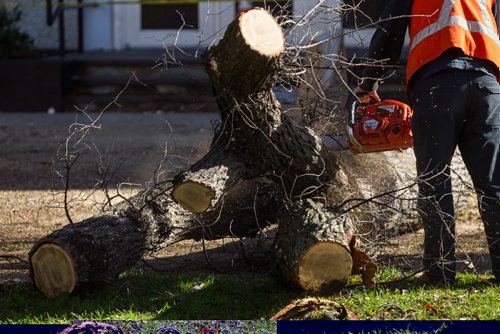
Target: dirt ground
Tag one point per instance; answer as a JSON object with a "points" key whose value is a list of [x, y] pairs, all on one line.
{"points": [[130, 145], [127, 149]]}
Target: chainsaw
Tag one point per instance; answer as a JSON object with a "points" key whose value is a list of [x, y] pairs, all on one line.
{"points": [[382, 126]]}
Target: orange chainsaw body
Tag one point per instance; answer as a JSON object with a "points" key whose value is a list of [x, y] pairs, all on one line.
{"points": [[379, 127]]}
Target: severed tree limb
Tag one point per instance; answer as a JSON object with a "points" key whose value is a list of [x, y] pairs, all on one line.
{"points": [[98, 249], [259, 162], [201, 187], [312, 247], [204, 202], [94, 250]]}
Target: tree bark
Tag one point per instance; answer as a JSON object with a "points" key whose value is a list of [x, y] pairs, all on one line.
{"points": [[259, 160], [94, 250], [98, 249], [222, 194]]}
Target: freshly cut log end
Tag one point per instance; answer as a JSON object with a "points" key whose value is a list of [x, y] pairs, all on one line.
{"points": [[193, 196], [324, 268], [53, 270], [312, 247], [262, 33]]}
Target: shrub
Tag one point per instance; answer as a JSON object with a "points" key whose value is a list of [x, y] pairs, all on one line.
{"points": [[13, 42]]}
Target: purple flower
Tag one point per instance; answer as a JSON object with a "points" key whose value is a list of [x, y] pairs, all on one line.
{"points": [[167, 330], [91, 327]]}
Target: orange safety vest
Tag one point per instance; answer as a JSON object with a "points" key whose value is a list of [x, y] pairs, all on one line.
{"points": [[438, 25]]}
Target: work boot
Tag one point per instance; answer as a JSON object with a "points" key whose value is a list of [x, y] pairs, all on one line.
{"points": [[426, 278], [443, 269], [495, 266], [493, 239], [439, 259]]}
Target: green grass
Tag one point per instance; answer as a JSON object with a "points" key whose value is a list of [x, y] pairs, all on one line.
{"points": [[155, 296], [149, 296], [471, 297]]}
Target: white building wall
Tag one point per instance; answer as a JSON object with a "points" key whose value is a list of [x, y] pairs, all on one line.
{"points": [[319, 24], [98, 27], [322, 23], [33, 22], [102, 29]]}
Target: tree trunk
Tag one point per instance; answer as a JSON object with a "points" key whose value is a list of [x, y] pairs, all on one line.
{"points": [[258, 161]]}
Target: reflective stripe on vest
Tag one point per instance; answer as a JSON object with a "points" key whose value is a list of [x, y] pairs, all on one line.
{"points": [[446, 20]]}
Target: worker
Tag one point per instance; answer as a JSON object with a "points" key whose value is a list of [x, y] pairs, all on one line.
{"points": [[452, 84]]}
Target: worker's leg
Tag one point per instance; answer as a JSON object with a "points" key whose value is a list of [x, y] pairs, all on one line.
{"points": [[438, 103], [479, 145]]}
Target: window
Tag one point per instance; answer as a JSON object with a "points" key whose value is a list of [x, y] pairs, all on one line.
{"points": [[161, 17]]}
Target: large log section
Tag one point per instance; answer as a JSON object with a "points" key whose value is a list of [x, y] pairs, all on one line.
{"points": [[260, 163]]}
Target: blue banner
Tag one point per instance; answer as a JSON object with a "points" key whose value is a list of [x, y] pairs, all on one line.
{"points": [[380, 327], [32, 329]]}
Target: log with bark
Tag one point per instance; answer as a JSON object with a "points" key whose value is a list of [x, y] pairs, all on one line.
{"points": [[260, 163], [312, 246]]}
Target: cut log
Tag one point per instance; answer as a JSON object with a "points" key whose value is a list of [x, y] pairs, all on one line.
{"points": [[312, 247], [248, 59], [201, 187], [95, 250], [193, 196], [54, 270], [98, 249]]}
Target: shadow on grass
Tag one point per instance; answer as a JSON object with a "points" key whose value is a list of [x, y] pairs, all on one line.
{"points": [[186, 286], [182, 287], [150, 295]]}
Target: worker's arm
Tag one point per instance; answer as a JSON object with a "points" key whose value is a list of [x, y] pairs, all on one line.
{"points": [[496, 9], [386, 44]]}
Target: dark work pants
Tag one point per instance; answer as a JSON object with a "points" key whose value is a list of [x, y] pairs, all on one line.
{"points": [[456, 108]]}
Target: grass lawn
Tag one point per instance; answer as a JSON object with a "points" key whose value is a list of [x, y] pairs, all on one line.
{"points": [[148, 295]]}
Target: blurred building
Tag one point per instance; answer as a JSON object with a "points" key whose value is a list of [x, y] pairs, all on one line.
{"points": [[95, 45], [106, 25]]}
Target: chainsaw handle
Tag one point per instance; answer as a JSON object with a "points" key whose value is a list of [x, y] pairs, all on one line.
{"points": [[372, 99], [350, 107], [353, 102]]}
